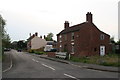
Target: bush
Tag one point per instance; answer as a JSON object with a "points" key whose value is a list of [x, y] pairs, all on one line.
{"points": [[31, 51], [39, 53], [36, 52]]}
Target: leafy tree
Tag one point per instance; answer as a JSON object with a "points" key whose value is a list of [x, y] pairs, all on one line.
{"points": [[49, 37], [118, 41], [112, 40], [5, 37], [21, 44]]}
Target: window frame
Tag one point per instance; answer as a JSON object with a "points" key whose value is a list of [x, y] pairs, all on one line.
{"points": [[102, 36], [72, 36]]}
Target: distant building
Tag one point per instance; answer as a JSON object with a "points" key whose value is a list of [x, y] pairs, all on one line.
{"points": [[83, 39], [35, 42]]}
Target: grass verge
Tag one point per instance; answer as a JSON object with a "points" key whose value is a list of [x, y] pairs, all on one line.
{"points": [[107, 60]]}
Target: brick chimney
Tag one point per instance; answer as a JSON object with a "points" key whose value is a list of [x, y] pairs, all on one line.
{"points": [[66, 24], [36, 34], [30, 34], [41, 37], [89, 17]]}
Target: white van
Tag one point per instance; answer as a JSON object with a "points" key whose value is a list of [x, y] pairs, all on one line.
{"points": [[48, 48]]}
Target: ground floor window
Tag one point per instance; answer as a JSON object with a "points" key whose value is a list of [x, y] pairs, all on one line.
{"points": [[60, 49], [73, 50]]}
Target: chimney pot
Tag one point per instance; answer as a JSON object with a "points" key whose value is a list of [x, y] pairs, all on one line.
{"points": [[89, 17], [66, 24], [36, 34], [41, 37]]}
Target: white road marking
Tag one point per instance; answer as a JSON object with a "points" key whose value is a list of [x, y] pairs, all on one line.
{"points": [[71, 76], [35, 60], [48, 66], [94, 70]]}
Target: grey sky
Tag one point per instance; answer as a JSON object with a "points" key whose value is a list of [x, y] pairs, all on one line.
{"points": [[44, 16]]}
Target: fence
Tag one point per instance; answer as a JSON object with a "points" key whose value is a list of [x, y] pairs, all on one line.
{"points": [[61, 55]]}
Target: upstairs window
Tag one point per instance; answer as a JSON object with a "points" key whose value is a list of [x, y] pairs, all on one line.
{"points": [[60, 38], [72, 36], [65, 37], [102, 37]]}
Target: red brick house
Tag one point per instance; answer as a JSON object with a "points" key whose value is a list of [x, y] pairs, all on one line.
{"points": [[83, 39]]}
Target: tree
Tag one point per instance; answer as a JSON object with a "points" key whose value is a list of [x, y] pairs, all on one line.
{"points": [[49, 37], [118, 41], [21, 44], [4, 36], [112, 40]]}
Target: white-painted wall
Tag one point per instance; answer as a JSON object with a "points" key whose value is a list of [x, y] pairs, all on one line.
{"points": [[38, 42]]}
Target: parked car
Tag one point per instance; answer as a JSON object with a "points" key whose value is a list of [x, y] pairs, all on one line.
{"points": [[7, 49], [53, 50], [19, 50], [48, 48]]}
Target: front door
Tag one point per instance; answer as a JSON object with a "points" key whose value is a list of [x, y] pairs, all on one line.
{"points": [[102, 50]]}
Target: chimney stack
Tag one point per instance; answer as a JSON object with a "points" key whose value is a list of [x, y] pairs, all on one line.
{"points": [[33, 35], [89, 17], [30, 34], [36, 34], [41, 37], [44, 37], [66, 24]]}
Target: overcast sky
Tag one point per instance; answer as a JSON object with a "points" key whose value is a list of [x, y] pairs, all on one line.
{"points": [[44, 16]]}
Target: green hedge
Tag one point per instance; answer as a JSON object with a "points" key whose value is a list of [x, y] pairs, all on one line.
{"points": [[37, 52]]}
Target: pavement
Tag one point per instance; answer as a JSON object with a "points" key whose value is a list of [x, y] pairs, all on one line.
{"points": [[84, 65], [7, 62]]}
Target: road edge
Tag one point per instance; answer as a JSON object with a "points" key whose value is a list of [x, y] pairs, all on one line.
{"points": [[9, 66], [87, 67]]}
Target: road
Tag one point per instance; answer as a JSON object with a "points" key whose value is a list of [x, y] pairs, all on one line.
{"points": [[26, 65]]}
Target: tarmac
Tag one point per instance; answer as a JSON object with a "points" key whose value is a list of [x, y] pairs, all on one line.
{"points": [[84, 65], [6, 65], [7, 62]]}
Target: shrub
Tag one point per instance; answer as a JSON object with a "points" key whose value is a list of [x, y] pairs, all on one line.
{"points": [[31, 51], [39, 53]]}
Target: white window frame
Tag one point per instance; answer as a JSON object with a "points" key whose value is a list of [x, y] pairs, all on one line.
{"points": [[60, 38], [72, 35], [102, 37]]}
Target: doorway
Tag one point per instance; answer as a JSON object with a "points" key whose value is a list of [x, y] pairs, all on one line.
{"points": [[102, 50]]}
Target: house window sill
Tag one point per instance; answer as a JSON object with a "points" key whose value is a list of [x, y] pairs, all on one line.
{"points": [[72, 40]]}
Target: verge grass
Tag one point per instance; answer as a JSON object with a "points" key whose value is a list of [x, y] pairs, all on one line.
{"points": [[107, 60]]}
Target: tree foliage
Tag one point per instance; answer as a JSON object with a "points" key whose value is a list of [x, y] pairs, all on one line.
{"points": [[5, 37], [118, 41], [21, 44], [49, 37], [112, 40]]}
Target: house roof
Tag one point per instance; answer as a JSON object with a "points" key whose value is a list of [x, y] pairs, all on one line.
{"points": [[73, 28], [78, 27]]}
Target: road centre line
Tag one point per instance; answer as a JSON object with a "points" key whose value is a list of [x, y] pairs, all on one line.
{"points": [[48, 66], [70, 76], [35, 60]]}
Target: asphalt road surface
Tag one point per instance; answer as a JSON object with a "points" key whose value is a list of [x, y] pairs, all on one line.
{"points": [[26, 65]]}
